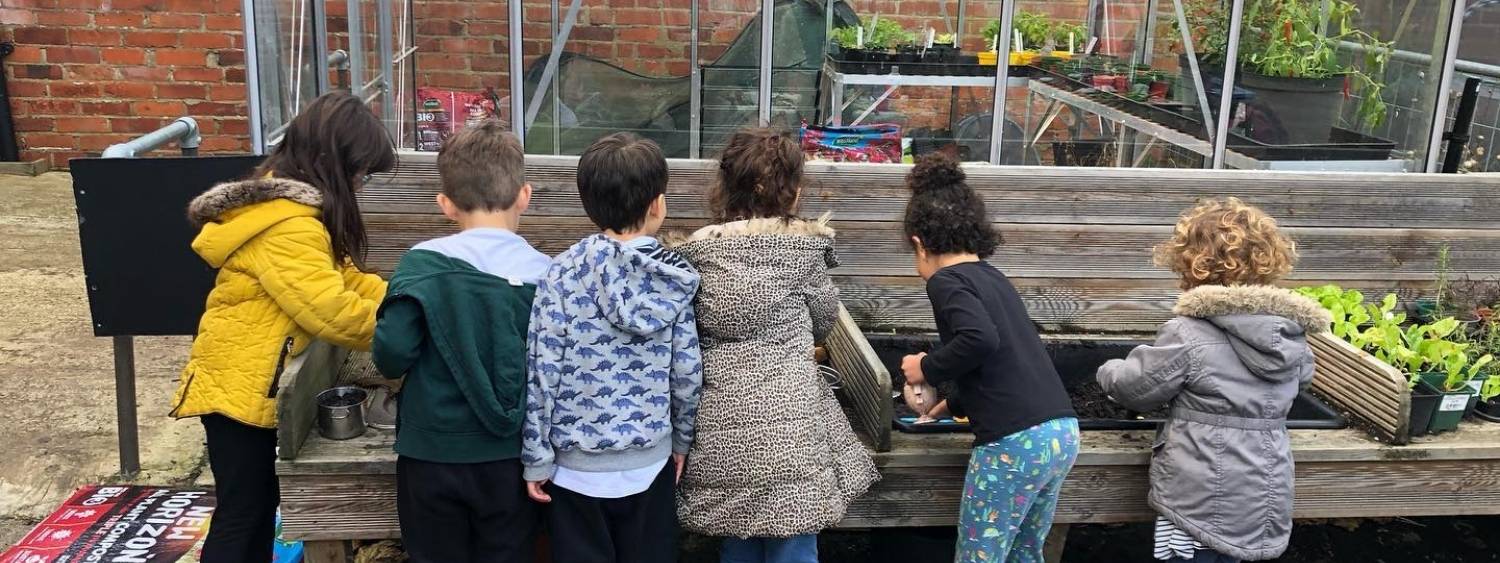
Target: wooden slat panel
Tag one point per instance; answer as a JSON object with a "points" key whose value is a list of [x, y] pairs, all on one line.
{"points": [[296, 407], [868, 248], [1038, 195], [341, 506], [1117, 493], [1371, 390], [865, 381]]}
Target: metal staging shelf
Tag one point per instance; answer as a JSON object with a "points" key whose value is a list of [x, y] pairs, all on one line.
{"points": [[837, 81], [1057, 98]]}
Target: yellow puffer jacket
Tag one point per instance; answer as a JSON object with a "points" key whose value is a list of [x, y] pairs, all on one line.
{"points": [[276, 290]]}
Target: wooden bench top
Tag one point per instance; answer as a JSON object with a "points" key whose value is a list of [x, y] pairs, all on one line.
{"points": [[372, 453], [346, 489]]}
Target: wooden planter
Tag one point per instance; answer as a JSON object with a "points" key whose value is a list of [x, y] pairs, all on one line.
{"points": [[866, 384], [1372, 391]]}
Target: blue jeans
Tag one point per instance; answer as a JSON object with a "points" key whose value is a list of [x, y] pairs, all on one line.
{"points": [[796, 549]]}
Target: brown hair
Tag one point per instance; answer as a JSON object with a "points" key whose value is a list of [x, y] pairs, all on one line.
{"points": [[760, 175], [482, 167], [329, 145], [1227, 242]]}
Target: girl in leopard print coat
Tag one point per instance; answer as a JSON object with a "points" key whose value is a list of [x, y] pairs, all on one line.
{"points": [[775, 460]]}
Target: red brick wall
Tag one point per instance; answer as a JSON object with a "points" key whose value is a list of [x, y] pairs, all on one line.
{"points": [[90, 73]]}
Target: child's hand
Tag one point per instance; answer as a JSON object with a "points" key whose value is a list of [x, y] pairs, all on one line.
{"points": [[681, 461], [911, 366], [534, 490]]}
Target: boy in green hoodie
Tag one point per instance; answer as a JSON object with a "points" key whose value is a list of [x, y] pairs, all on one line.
{"points": [[454, 322]]}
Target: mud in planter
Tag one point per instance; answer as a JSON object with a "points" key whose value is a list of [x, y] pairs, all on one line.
{"points": [[1076, 361]]}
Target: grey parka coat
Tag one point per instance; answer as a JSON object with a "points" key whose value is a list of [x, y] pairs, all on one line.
{"points": [[1230, 365]]}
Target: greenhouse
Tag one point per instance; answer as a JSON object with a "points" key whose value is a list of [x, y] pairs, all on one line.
{"points": [[1350, 85]]}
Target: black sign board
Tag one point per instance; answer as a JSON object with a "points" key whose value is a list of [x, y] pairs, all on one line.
{"points": [[143, 277]]}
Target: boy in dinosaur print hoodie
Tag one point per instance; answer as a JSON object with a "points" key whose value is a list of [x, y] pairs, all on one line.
{"points": [[614, 369]]}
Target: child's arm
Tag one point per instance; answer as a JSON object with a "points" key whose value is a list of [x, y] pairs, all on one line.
{"points": [[823, 299], [399, 333], [975, 336], [541, 385], [687, 380], [1152, 375], [367, 285], [299, 275]]}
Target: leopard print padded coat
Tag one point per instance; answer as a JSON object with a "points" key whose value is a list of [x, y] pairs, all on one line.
{"points": [[774, 454]]}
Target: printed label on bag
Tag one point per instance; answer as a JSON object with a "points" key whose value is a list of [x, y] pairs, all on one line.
{"points": [[1454, 403]]}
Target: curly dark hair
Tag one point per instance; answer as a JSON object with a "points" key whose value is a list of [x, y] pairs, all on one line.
{"points": [[945, 212], [760, 175]]}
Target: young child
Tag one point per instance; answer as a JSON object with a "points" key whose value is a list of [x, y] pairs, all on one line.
{"points": [[455, 324], [776, 460], [1025, 431], [287, 242], [1230, 365], [614, 373]]}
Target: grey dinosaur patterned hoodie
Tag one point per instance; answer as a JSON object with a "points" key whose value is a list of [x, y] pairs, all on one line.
{"points": [[614, 370]]}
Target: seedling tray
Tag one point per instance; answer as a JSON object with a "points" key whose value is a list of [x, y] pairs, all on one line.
{"points": [[910, 425], [1343, 144], [965, 65]]}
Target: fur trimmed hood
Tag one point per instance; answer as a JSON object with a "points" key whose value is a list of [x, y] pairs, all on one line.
{"points": [[228, 196], [762, 226], [1209, 301]]}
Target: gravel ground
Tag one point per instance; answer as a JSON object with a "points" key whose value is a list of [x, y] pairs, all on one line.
{"points": [[57, 416]]}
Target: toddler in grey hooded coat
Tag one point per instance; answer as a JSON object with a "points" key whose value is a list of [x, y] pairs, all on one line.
{"points": [[1230, 365]]}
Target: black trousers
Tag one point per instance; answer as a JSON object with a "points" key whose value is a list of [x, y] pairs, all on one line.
{"points": [[641, 528], [243, 459], [464, 512]]}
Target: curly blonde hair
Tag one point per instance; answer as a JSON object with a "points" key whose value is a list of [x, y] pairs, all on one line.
{"points": [[1227, 242]]}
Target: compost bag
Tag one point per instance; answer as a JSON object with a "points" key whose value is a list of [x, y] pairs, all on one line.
{"points": [[862, 143]]}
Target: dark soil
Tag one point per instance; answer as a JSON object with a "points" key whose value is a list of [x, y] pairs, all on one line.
{"points": [[347, 400], [1090, 402]]}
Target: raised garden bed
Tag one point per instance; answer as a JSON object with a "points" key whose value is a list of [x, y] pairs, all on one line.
{"points": [[1076, 361]]}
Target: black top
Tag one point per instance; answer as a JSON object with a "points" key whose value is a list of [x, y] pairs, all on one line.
{"points": [[992, 351]]}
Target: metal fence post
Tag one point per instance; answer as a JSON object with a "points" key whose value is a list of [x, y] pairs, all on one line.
{"points": [[125, 409]]}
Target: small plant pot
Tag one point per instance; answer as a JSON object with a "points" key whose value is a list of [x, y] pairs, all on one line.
{"points": [[1451, 404], [1488, 410], [988, 58], [907, 55], [1159, 90], [1122, 84], [1104, 81], [1424, 401]]}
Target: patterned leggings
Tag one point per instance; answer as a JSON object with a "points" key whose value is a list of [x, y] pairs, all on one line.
{"points": [[1011, 491]]}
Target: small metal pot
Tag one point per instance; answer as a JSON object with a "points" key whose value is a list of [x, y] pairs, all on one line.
{"points": [[341, 413]]}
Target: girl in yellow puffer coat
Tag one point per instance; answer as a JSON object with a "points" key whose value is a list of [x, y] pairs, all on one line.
{"points": [[287, 242]]}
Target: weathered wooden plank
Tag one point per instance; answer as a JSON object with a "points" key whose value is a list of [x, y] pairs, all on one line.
{"points": [[296, 400], [1372, 391], [1115, 493], [328, 551], [1037, 195], [865, 381], [870, 248], [339, 507]]}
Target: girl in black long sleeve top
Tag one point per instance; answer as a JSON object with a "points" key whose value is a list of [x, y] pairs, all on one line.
{"points": [[1026, 433]]}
